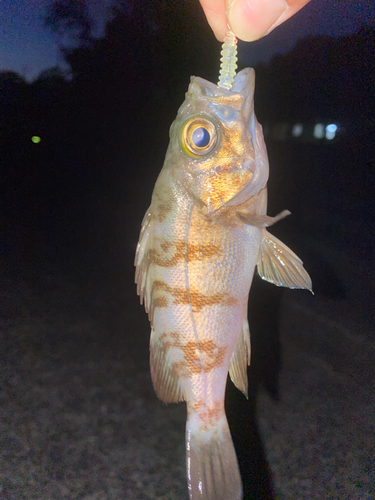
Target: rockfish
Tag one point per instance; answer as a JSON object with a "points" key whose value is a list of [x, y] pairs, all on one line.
{"points": [[200, 241]]}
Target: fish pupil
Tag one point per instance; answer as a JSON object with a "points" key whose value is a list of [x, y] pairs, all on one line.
{"points": [[200, 137]]}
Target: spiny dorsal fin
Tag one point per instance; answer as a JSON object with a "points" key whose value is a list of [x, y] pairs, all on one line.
{"points": [[280, 266]]}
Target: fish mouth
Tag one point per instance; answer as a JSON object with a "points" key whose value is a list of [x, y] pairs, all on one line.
{"points": [[244, 81], [243, 84]]}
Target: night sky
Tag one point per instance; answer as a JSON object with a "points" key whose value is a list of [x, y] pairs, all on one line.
{"points": [[28, 48]]}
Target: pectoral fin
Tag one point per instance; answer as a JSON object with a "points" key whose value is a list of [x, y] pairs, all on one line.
{"points": [[241, 360], [280, 266], [258, 220]]}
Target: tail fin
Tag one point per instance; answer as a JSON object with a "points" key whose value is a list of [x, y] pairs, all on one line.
{"points": [[212, 468]]}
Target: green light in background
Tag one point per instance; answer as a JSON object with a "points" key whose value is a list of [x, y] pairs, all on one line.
{"points": [[36, 139]]}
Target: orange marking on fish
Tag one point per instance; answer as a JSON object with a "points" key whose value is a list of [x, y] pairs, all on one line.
{"points": [[161, 301], [163, 210], [165, 246], [201, 356], [183, 252], [197, 299], [208, 414]]}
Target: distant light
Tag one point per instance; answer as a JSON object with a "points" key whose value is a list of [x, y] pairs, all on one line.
{"points": [[36, 139], [319, 131], [331, 131], [331, 128], [297, 130]]}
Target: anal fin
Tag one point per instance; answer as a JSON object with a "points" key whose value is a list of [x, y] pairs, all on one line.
{"points": [[280, 266], [241, 360], [164, 378]]}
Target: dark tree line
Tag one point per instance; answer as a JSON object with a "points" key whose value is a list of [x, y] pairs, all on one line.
{"points": [[322, 77]]}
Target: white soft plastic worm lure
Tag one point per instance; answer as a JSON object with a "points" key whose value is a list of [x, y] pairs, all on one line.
{"points": [[228, 61]]}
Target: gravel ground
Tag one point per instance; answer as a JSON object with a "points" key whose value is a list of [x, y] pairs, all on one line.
{"points": [[319, 437], [79, 418]]}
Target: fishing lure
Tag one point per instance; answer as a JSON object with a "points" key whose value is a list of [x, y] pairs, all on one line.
{"points": [[201, 239], [228, 61]]}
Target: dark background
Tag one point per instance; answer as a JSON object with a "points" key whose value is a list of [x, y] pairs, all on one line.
{"points": [[71, 208]]}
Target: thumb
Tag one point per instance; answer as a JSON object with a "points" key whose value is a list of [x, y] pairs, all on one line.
{"points": [[252, 19]]}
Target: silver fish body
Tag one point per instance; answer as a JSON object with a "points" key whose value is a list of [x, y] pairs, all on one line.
{"points": [[201, 239]]}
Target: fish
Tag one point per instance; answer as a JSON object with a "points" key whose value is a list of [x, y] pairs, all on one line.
{"points": [[201, 239]]}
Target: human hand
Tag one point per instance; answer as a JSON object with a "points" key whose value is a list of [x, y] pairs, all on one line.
{"points": [[248, 19]]}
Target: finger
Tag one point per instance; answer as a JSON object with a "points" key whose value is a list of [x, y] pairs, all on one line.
{"points": [[294, 7], [216, 17], [252, 19]]}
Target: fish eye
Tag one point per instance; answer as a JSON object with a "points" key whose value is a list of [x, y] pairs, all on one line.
{"points": [[198, 136]]}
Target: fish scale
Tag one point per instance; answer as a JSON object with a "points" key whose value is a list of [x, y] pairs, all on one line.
{"points": [[201, 239]]}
